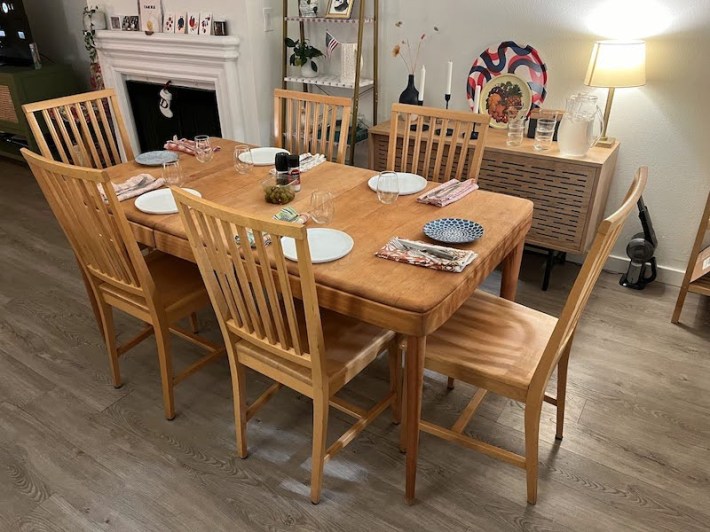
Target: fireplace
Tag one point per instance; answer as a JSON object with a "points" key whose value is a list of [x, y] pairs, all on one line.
{"points": [[193, 112], [203, 63]]}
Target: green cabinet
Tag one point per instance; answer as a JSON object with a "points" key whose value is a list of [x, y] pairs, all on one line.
{"points": [[21, 85]]}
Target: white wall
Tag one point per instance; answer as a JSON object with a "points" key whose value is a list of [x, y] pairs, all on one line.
{"points": [[663, 125]]}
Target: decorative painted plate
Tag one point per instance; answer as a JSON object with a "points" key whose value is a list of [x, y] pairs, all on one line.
{"points": [[160, 201], [326, 245], [509, 58], [408, 183], [157, 158], [453, 230], [504, 92]]}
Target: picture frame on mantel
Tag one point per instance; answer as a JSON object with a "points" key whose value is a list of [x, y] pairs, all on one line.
{"points": [[193, 23], [181, 23], [339, 8], [151, 14]]}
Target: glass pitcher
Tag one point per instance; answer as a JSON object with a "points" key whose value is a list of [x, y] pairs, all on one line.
{"points": [[581, 125]]}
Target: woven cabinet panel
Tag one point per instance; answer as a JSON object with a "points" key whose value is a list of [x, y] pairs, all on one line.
{"points": [[7, 107], [561, 194]]}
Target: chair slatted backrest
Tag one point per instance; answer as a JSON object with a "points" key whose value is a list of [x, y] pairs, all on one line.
{"points": [[606, 237], [249, 285], [305, 122], [85, 129], [436, 143], [96, 229]]}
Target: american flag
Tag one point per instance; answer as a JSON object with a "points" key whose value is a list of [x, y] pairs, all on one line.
{"points": [[331, 43]]}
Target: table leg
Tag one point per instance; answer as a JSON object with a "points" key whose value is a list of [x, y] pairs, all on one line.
{"points": [[511, 271], [414, 368]]}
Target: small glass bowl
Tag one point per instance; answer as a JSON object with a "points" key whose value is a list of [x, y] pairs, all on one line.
{"points": [[276, 193]]}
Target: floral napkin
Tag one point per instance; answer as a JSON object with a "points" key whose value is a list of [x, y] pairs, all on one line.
{"points": [[134, 186], [252, 242], [422, 257], [181, 145], [448, 192]]}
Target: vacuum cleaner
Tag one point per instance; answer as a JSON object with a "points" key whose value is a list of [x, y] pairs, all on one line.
{"points": [[640, 249]]}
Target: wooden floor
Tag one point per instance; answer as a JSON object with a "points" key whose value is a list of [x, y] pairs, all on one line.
{"points": [[76, 454]]}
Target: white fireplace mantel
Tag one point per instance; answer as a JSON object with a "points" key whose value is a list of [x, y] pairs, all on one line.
{"points": [[206, 62]]}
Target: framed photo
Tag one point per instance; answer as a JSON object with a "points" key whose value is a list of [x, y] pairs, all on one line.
{"points": [[151, 13], [205, 23], [339, 8], [181, 23], [115, 23], [169, 23], [130, 23], [193, 23]]}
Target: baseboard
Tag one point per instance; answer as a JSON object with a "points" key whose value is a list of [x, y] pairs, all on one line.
{"points": [[614, 264]]}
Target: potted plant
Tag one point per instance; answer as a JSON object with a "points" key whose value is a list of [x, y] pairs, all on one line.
{"points": [[303, 55]]}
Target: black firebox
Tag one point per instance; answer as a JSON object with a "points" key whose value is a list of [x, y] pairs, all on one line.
{"points": [[194, 113]]}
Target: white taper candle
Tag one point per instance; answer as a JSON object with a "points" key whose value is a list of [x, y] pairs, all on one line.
{"points": [[477, 99], [448, 77], [422, 83]]}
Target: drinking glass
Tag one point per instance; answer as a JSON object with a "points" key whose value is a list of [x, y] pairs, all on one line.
{"points": [[516, 127], [545, 130], [172, 173], [387, 187], [243, 161], [203, 149], [322, 206]]}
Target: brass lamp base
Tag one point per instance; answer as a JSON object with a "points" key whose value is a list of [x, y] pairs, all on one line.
{"points": [[606, 142]]}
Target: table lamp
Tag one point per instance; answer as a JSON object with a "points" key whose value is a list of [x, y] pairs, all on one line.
{"points": [[616, 64]]}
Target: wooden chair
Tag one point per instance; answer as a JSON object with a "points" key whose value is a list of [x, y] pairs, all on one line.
{"points": [[312, 351], [86, 129], [156, 288], [77, 125], [306, 122], [506, 348], [697, 274], [436, 143]]}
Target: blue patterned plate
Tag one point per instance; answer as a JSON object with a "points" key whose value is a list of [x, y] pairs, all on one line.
{"points": [[453, 230], [157, 158]]}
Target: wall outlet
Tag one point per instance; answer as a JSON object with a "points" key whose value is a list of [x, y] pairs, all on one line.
{"points": [[268, 19]]}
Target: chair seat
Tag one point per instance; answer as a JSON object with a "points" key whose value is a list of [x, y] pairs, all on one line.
{"points": [[178, 283], [492, 343], [350, 345]]}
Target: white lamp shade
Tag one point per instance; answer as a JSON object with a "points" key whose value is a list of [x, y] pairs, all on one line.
{"points": [[617, 64]]}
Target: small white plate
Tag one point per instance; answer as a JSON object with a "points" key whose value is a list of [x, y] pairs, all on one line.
{"points": [[408, 183], [326, 245], [262, 156], [157, 158], [160, 201]]}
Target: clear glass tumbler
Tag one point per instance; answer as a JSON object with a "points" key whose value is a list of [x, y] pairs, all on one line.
{"points": [[545, 130], [172, 174], [388, 187], [243, 161], [322, 206], [516, 129], [203, 149]]}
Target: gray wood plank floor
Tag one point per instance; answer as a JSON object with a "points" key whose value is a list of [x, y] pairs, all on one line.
{"points": [[75, 454]]}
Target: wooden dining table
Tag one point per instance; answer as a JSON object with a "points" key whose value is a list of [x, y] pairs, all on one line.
{"points": [[410, 300]]}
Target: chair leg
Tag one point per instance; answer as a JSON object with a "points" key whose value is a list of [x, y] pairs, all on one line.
{"points": [[239, 394], [105, 318], [194, 323], [450, 383], [532, 434], [395, 363], [561, 392], [320, 431], [403, 425], [162, 339]]}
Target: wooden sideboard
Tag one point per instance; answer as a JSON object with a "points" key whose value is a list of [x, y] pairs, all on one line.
{"points": [[569, 193]]}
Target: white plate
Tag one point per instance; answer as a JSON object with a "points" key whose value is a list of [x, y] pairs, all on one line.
{"points": [[326, 245], [262, 156], [408, 183], [160, 201]]}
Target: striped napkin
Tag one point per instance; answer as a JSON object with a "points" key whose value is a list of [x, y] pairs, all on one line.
{"points": [[421, 257], [448, 192], [181, 145], [134, 186]]}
